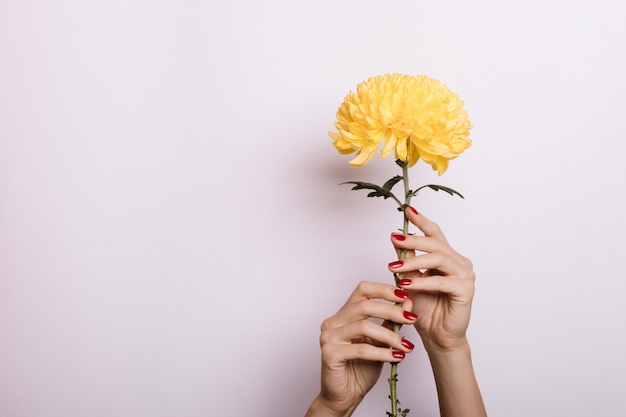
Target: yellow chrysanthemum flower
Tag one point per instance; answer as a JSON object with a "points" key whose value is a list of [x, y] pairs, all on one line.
{"points": [[414, 116]]}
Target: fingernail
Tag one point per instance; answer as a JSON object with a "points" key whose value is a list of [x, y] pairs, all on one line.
{"points": [[398, 354], [413, 210], [399, 237], [401, 293], [410, 316], [407, 344], [396, 264], [404, 282]]}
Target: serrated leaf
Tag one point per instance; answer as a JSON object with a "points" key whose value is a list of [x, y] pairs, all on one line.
{"points": [[437, 188], [391, 182], [378, 191]]}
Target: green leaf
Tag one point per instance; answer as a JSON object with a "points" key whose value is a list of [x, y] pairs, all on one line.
{"points": [[393, 181], [378, 191], [437, 188]]}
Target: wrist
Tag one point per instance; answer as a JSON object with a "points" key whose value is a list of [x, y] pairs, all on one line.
{"points": [[451, 348], [456, 358], [320, 407]]}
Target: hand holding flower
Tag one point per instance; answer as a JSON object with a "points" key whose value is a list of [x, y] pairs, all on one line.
{"points": [[440, 282], [354, 347]]}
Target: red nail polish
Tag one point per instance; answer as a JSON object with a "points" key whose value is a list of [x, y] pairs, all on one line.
{"points": [[400, 293], [396, 264], [410, 316], [413, 210], [398, 354], [404, 282], [399, 237], [407, 344]]}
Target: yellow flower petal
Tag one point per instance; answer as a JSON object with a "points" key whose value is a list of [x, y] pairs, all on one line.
{"points": [[416, 117]]}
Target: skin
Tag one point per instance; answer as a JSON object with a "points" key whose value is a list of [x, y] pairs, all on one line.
{"points": [[438, 287]]}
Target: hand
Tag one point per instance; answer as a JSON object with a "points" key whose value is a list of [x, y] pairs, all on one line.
{"points": [[355, 347], [440, 282]]}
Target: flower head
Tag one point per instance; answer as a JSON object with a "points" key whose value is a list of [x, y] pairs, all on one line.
{"points": [[414, 116]]}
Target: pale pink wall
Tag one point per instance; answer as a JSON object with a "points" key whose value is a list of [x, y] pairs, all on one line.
{"points": [[172, 231]]}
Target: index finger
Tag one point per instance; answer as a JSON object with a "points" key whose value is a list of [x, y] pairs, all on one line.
{"points": [[428, 227], [366, 290]]}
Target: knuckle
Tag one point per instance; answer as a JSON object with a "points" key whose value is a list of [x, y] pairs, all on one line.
{"points": [[328, 353], [324, 339], [362, 327], [326, 325], [364, 306], [467, 262], [433, 228], [466, 268], [469, 274], [362, 286], [438, 258], [470, 287]]}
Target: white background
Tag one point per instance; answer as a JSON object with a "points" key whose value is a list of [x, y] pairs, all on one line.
{"points": [[172, 231]]}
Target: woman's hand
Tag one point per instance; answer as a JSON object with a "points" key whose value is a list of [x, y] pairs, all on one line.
{"points": [[440, 282], [355, 347]]}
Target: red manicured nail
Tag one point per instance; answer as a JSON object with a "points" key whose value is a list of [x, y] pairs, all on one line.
{"points": [[413, 210], [399, 237], [398, 354], [400, 293], [396, 264], [405, 282], [409, 316], [407, 344]]}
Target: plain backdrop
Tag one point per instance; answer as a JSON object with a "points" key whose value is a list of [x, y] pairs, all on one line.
{"points": [[173, 231]]}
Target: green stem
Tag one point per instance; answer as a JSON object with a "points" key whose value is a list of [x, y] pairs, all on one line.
{"points": [[393, 378]]}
